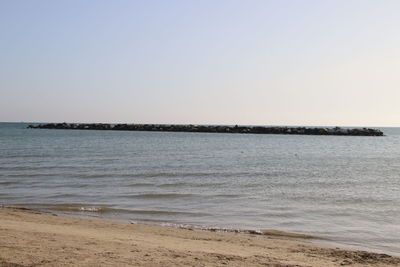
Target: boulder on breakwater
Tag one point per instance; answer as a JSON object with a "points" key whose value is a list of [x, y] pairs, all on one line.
{"points": [[212, 129]]}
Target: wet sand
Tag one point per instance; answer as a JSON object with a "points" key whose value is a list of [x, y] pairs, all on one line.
{"points": [[31, 238]]}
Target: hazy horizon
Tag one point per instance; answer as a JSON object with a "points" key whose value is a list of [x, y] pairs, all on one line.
{"points": [[284, 63]]}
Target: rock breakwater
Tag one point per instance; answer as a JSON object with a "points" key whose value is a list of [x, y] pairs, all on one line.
{"points": [[212, 129]]}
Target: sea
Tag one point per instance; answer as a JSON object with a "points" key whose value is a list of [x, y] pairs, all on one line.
{"points": [[343, 190]]}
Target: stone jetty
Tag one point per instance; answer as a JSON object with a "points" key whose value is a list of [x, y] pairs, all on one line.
{"points": [[212, 129]]}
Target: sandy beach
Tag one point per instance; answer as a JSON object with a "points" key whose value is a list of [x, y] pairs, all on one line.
{"points": [[32, 238]]}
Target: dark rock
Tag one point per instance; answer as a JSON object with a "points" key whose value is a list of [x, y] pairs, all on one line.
{"points": [[212, 129]]}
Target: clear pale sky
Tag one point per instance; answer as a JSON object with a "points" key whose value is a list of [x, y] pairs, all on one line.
{"points": [[298, 62]]}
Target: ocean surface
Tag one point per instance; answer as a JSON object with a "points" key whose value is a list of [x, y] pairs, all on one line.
{"points": [[342, 188]]}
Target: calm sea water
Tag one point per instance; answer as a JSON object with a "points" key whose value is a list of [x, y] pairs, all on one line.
{"points": [[343, 188]]}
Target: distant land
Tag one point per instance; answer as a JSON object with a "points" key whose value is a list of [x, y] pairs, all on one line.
{"points": [[238, 129]]}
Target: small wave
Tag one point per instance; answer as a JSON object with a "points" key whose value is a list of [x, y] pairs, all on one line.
{"points": [[272, 232], [174, 195], [227, 195], [91, 209], [63, 207], [174, 184], [268, 232], [182, 174], [253, 185], [8, 182], [161, 195], [208, 185], [212, 174], [34, 168], [140, 184], [77, 208], [31, 175], [74, 207], [174, 174], [147, 175], [78, 185], [64, 195], [10, 156], [161, 212], [94, 176]]}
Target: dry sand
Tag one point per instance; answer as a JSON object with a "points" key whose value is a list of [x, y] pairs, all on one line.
{"points": [[29, 238]]}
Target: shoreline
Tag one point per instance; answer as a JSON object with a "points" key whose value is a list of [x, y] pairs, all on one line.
{"points": [[100, 213], [29, 237]]}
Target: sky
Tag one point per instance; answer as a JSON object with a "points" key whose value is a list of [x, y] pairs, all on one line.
{"points": [[282, 62]]}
